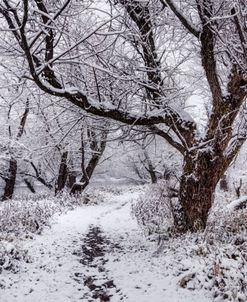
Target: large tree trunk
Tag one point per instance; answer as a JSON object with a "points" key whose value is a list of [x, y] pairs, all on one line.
{"points": [[10, 180], [201, 174]]}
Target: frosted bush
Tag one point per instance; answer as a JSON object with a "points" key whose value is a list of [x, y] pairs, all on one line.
{"points": [[226, 224], [29, 215], [99, 194], [216, 267], [115, 190], [25, 216], [153, 210], [10, 256], [229, 273]]}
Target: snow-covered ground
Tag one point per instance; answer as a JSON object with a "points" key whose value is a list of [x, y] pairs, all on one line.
{"points": [[98, 253]]}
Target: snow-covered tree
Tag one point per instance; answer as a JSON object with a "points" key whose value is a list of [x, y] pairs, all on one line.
{"points": [[137, 53]]}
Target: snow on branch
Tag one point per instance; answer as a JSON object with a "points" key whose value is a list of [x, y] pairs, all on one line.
{"points": [[186, 23], [237, 204]]}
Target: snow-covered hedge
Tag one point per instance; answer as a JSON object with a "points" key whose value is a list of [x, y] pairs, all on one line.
{"points": [[227, 221], [10, 256], [29, 214], [20, 217], [216, 267], [224, 250], [154, 210]]}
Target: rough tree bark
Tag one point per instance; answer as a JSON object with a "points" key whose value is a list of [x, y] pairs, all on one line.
{"points": [[197, 186]]}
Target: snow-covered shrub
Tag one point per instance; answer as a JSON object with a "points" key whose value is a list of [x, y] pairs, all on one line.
{"points": [[10, 256], [223, 248], [227, 221], [26, 216], [115, 190], [154, 210], [100, 194], [30, 213], [22, 217], [216, 267], [229, 270]]}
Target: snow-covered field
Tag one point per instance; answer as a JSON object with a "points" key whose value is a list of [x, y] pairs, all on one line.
{"points": [[98, 253]]}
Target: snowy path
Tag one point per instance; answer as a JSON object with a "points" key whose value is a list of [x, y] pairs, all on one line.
{"points": [[126, 269]]}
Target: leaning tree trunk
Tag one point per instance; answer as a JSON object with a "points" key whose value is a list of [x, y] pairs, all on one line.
{"points": [[97, 146], [201, 174], [10, 180], [84, 181], [29, 185]]}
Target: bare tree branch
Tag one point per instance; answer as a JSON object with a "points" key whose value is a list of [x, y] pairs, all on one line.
{"points": [[181, 17]]}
